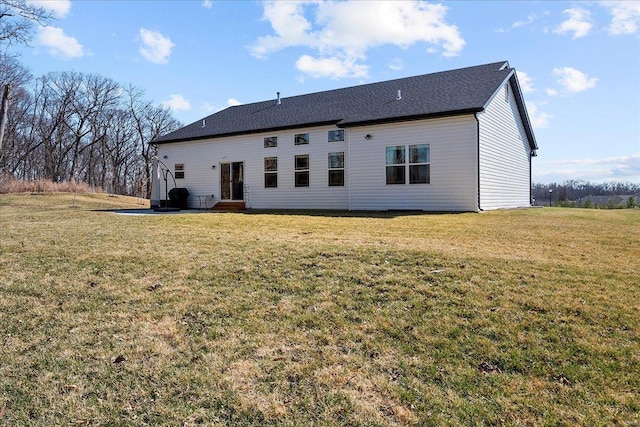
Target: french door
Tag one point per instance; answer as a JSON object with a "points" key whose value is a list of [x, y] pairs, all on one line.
{"points": [[232, 181]]}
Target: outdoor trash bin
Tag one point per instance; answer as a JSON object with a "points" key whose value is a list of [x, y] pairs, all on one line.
{"points": [[178, 198]]}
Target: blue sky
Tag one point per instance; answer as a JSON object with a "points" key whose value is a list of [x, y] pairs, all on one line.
{"points": [[578, 62]]}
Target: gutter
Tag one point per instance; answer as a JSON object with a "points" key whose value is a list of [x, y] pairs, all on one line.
{"points": [[475, 115], [339, 123]]}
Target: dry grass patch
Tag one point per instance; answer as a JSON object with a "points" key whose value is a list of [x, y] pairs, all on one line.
{"points": [[9, 184], [513, 317]]}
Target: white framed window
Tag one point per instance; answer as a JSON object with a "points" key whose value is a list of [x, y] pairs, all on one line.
{"points": [[336, 169], [395, 159], [270, 172], [178, 171], [270, 142], [408, 164], [419, 164], [335, 135], [301, 167], [301, 139]]}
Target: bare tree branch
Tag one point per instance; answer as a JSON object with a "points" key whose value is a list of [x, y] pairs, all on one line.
{"points": [[18, 19]]}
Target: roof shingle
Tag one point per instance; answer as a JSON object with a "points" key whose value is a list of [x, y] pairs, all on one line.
{"points": [[464, 90]]}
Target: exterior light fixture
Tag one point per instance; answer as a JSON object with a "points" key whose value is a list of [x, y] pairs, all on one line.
{"points": [[368, 136]]}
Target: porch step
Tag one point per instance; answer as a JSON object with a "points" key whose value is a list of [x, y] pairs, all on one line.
{"points": [[229, 206]]}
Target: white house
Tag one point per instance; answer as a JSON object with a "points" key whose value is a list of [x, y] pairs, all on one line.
{"points": [[458, 140]]}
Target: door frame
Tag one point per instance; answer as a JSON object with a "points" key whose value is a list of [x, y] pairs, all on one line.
{"points": [[235, 181]]}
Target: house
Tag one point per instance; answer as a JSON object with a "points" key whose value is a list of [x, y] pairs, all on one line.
{"points": [[458, 140]]}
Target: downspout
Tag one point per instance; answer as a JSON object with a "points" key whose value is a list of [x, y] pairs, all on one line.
{"points": [[155, 182], [475, 115], [530, 178], [348, 138]]}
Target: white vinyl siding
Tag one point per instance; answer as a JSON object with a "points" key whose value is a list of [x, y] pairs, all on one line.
{"points": [[505, 178], [453, 171], [453, 165], [200, 156]]}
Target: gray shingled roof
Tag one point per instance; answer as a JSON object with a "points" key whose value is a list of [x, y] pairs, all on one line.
{"points": [[461, 91]]}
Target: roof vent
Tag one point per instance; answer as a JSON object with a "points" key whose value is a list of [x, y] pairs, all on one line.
{"points": [[278, 102], [399, 97], [204, 123]]}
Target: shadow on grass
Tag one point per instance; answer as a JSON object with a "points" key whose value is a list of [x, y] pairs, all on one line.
{"points": [[284, 212]]}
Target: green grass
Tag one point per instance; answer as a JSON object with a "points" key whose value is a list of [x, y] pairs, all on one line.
{"points": [[527, 317]]}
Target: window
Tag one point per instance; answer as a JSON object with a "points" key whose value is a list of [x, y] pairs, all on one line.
{"points": [[418, 164], [419, 167], [395, 164], [178, 171], [271, 142], [336, 135], [301, 139], [302, 170], [270, 172], [336, 169], [506, 93]]}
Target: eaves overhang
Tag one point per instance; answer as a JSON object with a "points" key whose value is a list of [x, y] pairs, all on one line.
{"points": [[512, 79], [242, 132], [338, 123]]}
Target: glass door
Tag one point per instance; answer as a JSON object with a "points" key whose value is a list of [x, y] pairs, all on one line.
{"points": [[232, 181]]}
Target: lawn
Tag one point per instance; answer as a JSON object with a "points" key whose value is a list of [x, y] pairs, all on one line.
{"points": [[522, 317]]}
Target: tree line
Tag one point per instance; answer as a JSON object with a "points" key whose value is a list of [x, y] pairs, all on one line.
{"points": [[67, 126], [573, 190]]}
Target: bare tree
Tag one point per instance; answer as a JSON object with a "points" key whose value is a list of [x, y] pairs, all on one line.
{"points": [[151, 122], [86, 127], [13, 79], [18, 18]]}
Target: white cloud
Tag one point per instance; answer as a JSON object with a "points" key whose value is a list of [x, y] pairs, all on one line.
{"points": [[396, 64], [60, 8], [209, 108], [610, 168], [551, 91], [574, 80], [331, 67], [207, 4], [155, 47], [579, 23], [58, 43], [539, 119], [177, 103], [625, 16], [526, 83], [531, 18], [342, 32]]}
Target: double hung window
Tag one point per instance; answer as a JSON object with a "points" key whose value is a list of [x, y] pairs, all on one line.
{"points": [[270, 172], [396, 160], [336, 169], [178, 171], [301, 166], [408, 163]]}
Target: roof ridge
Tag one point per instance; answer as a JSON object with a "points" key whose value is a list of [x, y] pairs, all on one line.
{"points": [[377, 83]]}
